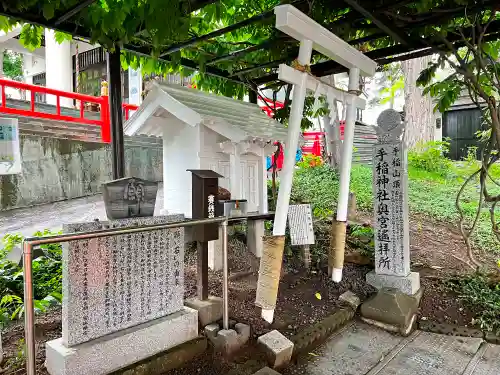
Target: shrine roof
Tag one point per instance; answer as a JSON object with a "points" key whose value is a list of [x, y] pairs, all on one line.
{"points": [[233, 119]]}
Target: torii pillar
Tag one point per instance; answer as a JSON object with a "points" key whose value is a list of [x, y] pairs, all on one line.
{"points": [[311, 35]]}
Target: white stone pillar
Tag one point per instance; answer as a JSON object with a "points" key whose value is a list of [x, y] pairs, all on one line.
{"points": [[215, 253], [59, 67], [134, 86], [235, 172], [234, 152], [256, 228], [392, 232]]}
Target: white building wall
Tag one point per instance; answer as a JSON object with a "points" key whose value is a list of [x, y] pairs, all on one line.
{"points": [[181, 147], [32, 65], [250, 180], [59, 67], [82, 47]]}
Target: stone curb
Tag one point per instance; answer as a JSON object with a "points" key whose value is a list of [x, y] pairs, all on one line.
{"points": [[456, 330], [317, 333]]}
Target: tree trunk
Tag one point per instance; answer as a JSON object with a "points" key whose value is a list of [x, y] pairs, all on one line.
{"points": [[418, 108]]}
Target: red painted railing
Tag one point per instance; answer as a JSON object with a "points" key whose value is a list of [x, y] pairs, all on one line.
{"points": [[102, 101], [127, 108]]}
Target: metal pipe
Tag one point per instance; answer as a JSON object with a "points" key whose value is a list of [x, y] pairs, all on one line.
{"points": [[115, 231], [29, 312], [115, 111], [29, 243], [225, 288]]}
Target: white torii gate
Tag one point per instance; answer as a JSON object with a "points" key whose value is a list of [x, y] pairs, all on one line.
{"points": [[311, 35]]}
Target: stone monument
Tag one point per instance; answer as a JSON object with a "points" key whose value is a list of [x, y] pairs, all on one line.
{"points": [[123, 298], [395, 305], [390, 187]]}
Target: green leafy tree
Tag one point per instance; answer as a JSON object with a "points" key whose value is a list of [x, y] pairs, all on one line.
{"points": [[390, 83], [13, 65], [476, 74]]}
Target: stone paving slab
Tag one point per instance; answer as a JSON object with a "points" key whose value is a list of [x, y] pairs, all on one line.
{"points": [[486, 361], [432, 354], [354, 350], [360, 349]]}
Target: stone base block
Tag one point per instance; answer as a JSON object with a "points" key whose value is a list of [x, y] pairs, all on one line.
{"points": [[392, 310], [277, 347], [123, 348], [228, 341], [266, 371], [350, 299], [407, 284], [209, 311], [169, 360]]}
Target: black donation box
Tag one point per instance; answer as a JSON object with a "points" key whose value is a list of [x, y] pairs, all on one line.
{"points": [[205, 189]]}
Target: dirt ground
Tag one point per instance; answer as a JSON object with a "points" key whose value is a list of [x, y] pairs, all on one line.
{"points": [[304, 297]]}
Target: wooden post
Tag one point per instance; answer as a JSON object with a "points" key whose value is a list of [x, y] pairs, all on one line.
{"points": [[202, 270], [306, 256]]}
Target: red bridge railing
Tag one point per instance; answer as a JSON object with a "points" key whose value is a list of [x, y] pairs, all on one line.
{"points": [[81, 99], [127, 108]]}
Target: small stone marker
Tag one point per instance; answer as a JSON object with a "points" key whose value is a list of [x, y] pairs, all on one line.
{"points": [[390, 181], [113, 283], [351, 299], [278, 348], [300, 224], [129, 197]]}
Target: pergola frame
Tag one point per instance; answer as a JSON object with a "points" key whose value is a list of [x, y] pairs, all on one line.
{"points": [[405, 36], [360, 10]]}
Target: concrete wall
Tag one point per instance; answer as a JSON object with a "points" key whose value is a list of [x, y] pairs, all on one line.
{"points": [[56, 169]]}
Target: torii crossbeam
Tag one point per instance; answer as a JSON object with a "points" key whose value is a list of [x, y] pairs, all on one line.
{"points": [[311, 35]]}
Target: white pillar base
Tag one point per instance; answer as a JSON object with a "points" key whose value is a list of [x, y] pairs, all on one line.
{"points": [[337, 275], [267, 315]]}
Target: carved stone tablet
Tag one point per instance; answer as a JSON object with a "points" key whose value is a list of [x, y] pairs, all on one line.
{"points": [[117, 282], [129, 197]]}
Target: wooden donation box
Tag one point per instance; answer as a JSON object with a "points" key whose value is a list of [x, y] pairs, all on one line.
{"points": [[129, 197], [204, 205]]}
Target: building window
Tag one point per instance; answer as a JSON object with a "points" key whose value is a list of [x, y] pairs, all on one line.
{"points": [[359, 114], [39, 80], [90, 79]]}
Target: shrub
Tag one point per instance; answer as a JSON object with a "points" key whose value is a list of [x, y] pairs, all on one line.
{"points": [[430, 157], [47, 278], [310, 161], [483, 294], [318, 186]]}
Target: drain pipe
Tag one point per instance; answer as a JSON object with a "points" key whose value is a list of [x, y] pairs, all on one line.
{"points": [[339, 226]]}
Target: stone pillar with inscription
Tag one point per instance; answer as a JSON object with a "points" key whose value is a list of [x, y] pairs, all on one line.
{"points": [[390, 187], [394, 307]]}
